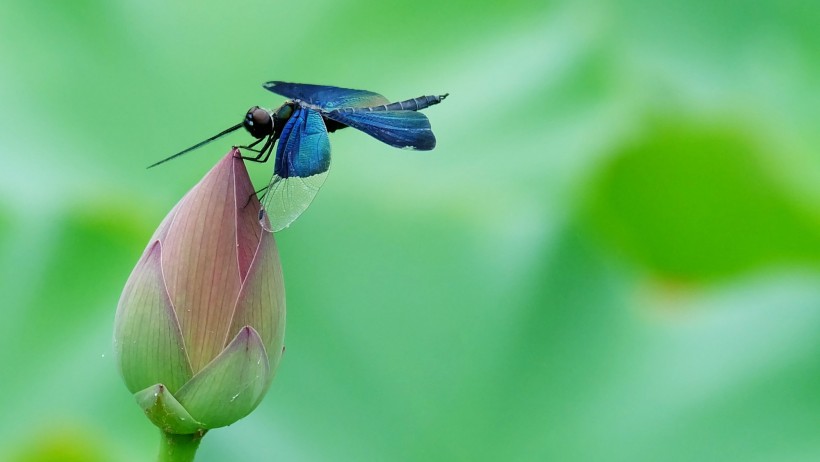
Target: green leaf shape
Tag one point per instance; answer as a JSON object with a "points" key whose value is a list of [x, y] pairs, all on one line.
{"points": [[261, 302], [232, 385], [165, 411], [698, 202], [147, 339]]}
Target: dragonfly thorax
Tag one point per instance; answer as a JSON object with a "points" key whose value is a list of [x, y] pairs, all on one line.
{"points": [[284, 112], [258, 122]]}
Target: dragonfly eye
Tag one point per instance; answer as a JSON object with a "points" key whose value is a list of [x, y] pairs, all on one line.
{"points": [[258, 122]]}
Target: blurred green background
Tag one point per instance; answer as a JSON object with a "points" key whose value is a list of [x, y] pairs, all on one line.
{"points": [[613, 254]]}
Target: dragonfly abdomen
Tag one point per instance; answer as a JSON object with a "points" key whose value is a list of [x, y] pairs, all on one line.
{"points": [[413, 104]]}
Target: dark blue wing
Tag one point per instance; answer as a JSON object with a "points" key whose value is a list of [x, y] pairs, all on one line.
{"points": [[325, 96], [401, 129], [304, 149], [300, 169]]}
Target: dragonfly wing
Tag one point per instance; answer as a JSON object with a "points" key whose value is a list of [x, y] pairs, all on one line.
{"points": [[300, 169], [325, 96], [401, 129]]}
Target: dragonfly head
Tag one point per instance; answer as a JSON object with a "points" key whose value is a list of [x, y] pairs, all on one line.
{"points": [[258, 122]]}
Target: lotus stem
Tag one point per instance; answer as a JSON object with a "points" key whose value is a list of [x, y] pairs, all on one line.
{"points": [[178, 448]]}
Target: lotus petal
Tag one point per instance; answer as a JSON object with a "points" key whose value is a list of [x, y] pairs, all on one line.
{"points": [[147, 338], [231, 386], [200, 263], [248, 231], [261, 301], [165, 411]]}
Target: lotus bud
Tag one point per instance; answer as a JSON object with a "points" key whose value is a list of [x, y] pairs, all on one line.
{"points": [[200, 325]]}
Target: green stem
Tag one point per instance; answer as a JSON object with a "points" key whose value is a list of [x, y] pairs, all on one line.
{"points": [[178, 448]]}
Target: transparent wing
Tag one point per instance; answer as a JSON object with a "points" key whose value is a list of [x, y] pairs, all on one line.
{"points": [[286, 199], [326, 97], [300, 169], [401, 129]]}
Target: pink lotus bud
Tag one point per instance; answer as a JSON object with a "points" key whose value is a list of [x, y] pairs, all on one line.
{"points": [[201, 322]]}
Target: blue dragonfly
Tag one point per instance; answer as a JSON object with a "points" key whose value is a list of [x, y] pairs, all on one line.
{"points": [[301, 125]]}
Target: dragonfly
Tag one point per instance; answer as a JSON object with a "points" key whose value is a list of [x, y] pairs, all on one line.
{"points": [[298, 129]]}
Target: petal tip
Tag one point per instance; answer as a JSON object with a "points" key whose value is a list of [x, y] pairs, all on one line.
{"points": [[163, 409], [248, 335], [154, 246]]}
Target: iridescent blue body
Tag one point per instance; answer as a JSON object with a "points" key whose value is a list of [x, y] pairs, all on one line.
{"points": [[301, 126], [303, 153]]}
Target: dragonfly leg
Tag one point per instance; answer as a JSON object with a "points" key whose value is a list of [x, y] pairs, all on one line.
{"points": [[255, 193], [250, 146], [267, 155], [258, 151], [265, 151]]}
